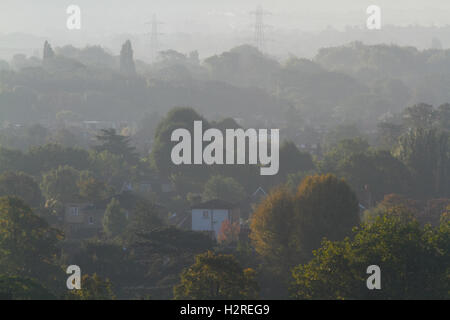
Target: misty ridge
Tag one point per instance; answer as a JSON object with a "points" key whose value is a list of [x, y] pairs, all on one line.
{"points": [[354, 84]]}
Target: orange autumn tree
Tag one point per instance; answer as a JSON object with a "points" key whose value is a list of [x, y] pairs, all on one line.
{"points": [[286, 227], [229, 232]]}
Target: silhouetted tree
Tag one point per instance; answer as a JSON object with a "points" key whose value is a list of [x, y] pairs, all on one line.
{"points": [[115, 219], [127, 66], [216, 277], [48, 52]]}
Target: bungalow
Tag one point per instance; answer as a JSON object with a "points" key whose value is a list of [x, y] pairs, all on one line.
{"points": [[209, 216]]}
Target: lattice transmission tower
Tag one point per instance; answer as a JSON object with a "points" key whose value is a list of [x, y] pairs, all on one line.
{"points": [[154, 38], [259, 34]]}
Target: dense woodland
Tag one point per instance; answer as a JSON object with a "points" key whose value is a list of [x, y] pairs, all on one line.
{"points": [[364, 174]]}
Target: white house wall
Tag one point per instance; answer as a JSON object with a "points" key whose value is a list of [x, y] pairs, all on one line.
{"points": [[199, 223]]}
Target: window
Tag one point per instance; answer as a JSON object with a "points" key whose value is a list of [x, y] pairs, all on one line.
{"points": [[74, 211], [91, 220], [205, 214]]}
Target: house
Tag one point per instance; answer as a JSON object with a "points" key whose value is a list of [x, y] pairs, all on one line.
{"points": [[258, 195], [208, 216], [85, 220], [82, 220]]}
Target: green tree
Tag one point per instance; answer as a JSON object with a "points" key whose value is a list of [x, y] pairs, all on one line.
{"points": [[216, 277], [91, 189], [115, 219], [27, 243], [443, 117], [162, 147], [93, 287], [420, 116], [388, 133], [146, 217], [293, 160], [326, 207], [12, 160], [21, 185], [426, 154], [164, 252], [110, 261], [340, 133], [61, 184], [48, 52], [174, 241], [224, 188], [36, 134], [413, 262], [17, 288], [110, 168], [127, 66], [117, 144], [51, 156], [374, 174], [340, 152]]}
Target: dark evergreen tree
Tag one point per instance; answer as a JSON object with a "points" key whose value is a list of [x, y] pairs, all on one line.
{"points": [[48, 51], [127, 66]]}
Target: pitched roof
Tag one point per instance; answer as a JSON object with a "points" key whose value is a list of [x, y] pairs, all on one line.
{"points": [[213, 204]]}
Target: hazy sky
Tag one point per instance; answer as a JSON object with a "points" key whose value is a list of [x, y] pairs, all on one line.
{"points": [[209, 26], [100, 17]]}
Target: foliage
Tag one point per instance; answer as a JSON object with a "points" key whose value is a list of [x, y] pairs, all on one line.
{"points": [[164, 252], [127, 66], [413, 262], [61, 184], [93, 287], [224, 188], [91, 189], [17, 288], [285, 228], [229, 232], [27, 243], [216, 277], [21, 185], [293, 160], [51, 156], [274, 229], [146, 216], [340, 152], [111, 261], [425, 153], [115, 219], [116, 144], [374, 174], [326, 207], [162, 147], [110, 168]]}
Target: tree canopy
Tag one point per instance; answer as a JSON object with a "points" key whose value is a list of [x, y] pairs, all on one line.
{"points": [[217, 277]]}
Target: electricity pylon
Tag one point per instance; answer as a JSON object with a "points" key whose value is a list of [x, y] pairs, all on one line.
{"points": [[154, 41], [259, 34]]}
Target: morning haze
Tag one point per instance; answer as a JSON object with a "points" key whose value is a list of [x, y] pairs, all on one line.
{"points": [[224, 152], [208, 26]]}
